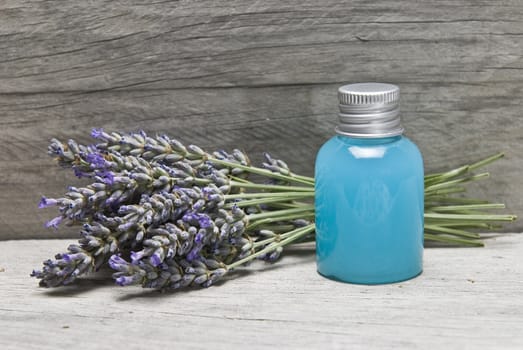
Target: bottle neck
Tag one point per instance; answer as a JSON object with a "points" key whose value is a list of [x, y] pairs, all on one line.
{"points": [[370, 141]]}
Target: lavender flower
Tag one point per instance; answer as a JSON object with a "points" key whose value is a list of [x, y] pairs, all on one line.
{"points": [[276, 165], [80, 204], [172, 274], [97, 160], [191, 234], [65, 268], [47, 202], [54, 222], [162, 204], [66, 153], [97, 133], [159, 150]]}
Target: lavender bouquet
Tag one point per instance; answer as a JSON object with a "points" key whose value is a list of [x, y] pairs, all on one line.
{"points": [[167, 216]]}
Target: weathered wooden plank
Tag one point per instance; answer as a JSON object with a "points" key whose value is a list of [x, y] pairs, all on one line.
{"points": [[289, 122], [465, 299], [103, 45], [260, 76]]}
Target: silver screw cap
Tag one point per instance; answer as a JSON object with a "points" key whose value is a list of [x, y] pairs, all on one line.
{"points": [[369, 110]]}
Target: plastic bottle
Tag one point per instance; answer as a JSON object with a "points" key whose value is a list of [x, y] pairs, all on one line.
{"points": [[369, 192]]}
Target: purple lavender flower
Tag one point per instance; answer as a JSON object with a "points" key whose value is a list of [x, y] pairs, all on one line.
{"points": [[68, 257], [198, 205], [136, 256], [97, 133], [153, 199], [200, 237], [55, 148], [204, 221], [47, 202], [65, 268], [96, 160], [194, 253], [54, 222], [126, 226], [170, 253], [190, 217], [37, 273], [156, 258], [125, 280], [107, 177], [79, 173], [117, 263]]}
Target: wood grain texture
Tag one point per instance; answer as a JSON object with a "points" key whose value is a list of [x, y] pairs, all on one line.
{"points": [[465, 299], [257, 75]]}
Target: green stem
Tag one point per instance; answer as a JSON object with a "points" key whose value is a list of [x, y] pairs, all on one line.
{"points": [[268, 195], [251, 202], [451, 183], [278, 219], [437, 178], [304, 178], [260, 171], [450, 217], [446, 208], [280, 213], [451, 231], [450, 190], [280, 205], [468, 168], [276, 238], [298, 233], [455, 223], [239, 179], [270, 187], [279, 228], [486, 161], [447, 239], [463, 225], [447, 199]]}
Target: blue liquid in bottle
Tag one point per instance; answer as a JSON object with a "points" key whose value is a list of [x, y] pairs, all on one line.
{"points": [[369, 199]]}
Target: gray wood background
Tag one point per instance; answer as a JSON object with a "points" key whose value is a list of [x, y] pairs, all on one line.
{"points": [[257, 75]]}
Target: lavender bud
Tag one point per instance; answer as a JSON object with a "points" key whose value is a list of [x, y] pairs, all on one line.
{"points": [[139, 235], [157, 257], [240, 157], [196, 150], [193, 254], [275, 255], [47, 202], [175, 278], [141, 178], [176, 146], [247, 246], [301, 222], [54, 222], [213, 264], [97, 186], [173, 158], [266, 233], [137, 256], [126, 280], [152, 243], [200, 279], [97, 133], [97, 197]]}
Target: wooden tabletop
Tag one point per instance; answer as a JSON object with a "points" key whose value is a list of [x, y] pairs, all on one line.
{"points": [[466, 298]]}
